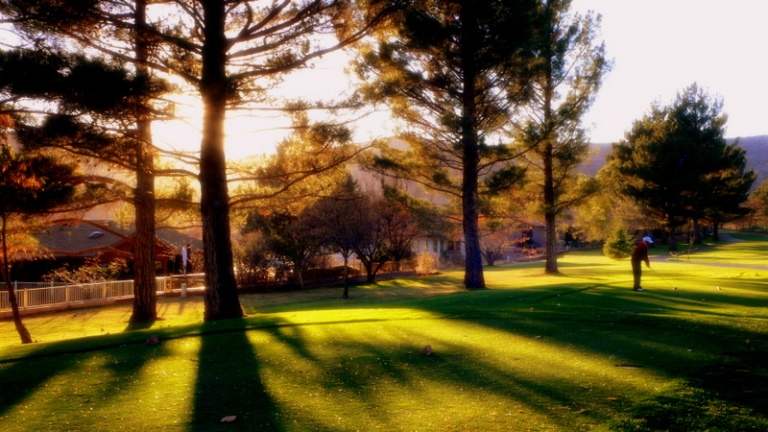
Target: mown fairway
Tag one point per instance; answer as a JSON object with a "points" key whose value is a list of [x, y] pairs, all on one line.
{"points": [[575, 352]]}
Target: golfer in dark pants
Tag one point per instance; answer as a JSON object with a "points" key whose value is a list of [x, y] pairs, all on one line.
{"points": [[638, 255]]}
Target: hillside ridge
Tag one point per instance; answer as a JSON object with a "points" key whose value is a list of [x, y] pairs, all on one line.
{"points": [[756, 148]]}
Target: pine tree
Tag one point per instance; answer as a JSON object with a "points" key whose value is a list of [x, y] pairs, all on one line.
{"points": [[118, 30], [231, 53], [676, 161], [453, 72], [569, 72], [618, 245]]}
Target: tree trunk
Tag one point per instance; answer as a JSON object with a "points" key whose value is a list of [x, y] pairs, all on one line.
{"points": [[716, 231], [346, 276], [370, 276], [550, 209], [368, 265], [5, 269], [301, 277], [551, 243], [549, 213], [490, 258], [144, 285], [696, 231], [26, 338], [672, 240], [473, 269], [221, 298]]}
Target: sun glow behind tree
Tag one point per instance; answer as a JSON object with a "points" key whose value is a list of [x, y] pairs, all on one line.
{"points": [[258, 130]]}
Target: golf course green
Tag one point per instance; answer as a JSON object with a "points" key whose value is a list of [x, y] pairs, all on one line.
{"points": [[578, 351]]}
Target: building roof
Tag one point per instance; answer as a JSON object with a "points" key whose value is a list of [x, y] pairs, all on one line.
{"points": [[80, 237], [90, 238], [178, 238]]}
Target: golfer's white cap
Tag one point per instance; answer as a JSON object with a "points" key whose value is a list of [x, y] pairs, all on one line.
{"points": [[647, 240]]}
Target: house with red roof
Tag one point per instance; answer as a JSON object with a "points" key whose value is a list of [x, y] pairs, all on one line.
{"points": [[72, 242]]}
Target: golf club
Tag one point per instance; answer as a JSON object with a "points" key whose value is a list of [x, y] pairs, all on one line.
{"points": [[662, 278]]}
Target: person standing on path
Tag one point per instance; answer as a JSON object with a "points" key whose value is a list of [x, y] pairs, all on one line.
{"points": [[639, 255]]}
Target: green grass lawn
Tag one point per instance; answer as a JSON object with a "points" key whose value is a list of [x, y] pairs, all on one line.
{"points": [[742, 251], [575, 352]]}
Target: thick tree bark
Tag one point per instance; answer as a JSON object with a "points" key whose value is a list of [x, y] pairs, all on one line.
{"points": [[20, 328], [144, 286], [221, 297], [548, 155], [473, 270], [550, 214]]}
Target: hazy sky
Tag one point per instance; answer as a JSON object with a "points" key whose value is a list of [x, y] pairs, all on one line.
{"points": [[660, 47]]}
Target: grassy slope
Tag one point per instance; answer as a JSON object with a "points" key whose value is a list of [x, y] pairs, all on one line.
{"points": [[578, 351]]}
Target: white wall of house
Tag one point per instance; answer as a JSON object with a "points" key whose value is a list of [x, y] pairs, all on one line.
{"points": [[432, 245]]}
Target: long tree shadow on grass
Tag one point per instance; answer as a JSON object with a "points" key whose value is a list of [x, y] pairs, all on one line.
{"points": [[21, 379], [649, 332], [39, 375], [229, 393], [377, 378], [631, 331]]}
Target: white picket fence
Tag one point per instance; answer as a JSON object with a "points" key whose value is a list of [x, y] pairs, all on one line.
{"points": [[32, 296]]}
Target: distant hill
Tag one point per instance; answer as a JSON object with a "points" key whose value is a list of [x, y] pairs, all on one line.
{"points": [[757, 156], [596, 159], [755, 146]]}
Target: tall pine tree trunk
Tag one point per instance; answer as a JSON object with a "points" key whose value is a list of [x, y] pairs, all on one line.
{"points": [[550, 212], [473, 270], [548, 156], [221, 297], [20, 328], [551, 243], [144, 286]]}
